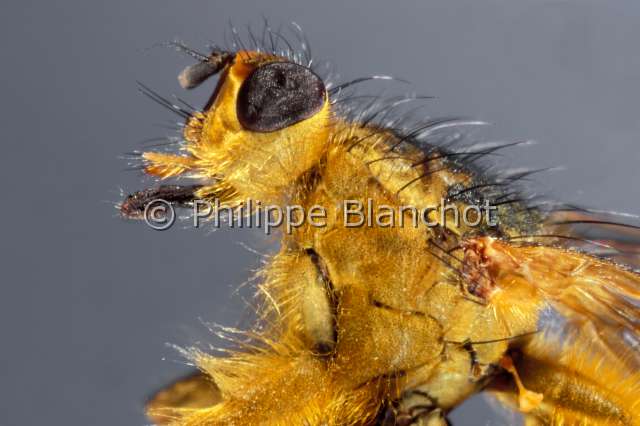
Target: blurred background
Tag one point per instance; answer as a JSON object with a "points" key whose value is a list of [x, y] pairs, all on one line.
{"points": [[88, 300]]}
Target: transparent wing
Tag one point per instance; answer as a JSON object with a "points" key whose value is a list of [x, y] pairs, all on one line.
{"points": [[583, 265], [607, 235], [579, 278]]}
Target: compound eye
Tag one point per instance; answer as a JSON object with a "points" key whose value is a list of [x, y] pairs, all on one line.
{"points": [[277, 95]]}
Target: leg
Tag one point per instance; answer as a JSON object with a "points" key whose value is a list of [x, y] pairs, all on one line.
{"points": [[423, 413]]}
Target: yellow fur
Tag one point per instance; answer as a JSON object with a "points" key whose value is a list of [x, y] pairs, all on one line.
{"points": [[405, 318]]}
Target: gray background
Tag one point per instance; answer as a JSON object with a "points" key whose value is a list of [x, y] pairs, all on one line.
{"points": [[88, 300]]}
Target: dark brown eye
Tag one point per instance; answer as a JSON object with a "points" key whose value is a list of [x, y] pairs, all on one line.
{"points": [[277, 95]]}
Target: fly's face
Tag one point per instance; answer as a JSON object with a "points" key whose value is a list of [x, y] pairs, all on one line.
{"points": [[266, 123]]}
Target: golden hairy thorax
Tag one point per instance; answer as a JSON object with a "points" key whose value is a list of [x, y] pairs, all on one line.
{"points": [[387, 323]]}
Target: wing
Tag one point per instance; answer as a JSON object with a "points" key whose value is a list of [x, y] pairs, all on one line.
{"points": [[605, 295], [583, 265], [601, 234], [584, 364], [181, 397], [580, 293]]}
